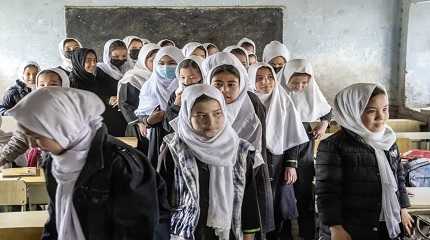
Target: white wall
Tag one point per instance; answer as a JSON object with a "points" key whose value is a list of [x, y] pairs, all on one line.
{"points": [[347, 40]]}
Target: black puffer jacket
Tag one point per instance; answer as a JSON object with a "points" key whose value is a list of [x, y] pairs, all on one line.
{"points": [[348, 184], [13, 95], [115, 195]]}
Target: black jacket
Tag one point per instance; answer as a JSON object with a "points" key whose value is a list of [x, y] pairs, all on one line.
{"points": [[115, 195], [13, 95], [348, 184]]}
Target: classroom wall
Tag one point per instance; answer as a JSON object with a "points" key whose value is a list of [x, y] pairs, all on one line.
{"points": [[347, 40]]}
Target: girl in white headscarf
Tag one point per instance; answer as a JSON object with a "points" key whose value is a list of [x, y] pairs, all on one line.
{"points": [[26, 72], [211, 48], [166, 42], [65, 49], [240, 53], [155, 94], [209, 171], [299, 82], [276, 54], [134, 44], [52, 77], [283, 139], [360, 186], [194, 49], [115, 59], [131, 83], [248, 45], [88, 174]]}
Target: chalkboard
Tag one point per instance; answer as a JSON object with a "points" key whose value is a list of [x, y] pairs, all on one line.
{"points": [[222, 26]]}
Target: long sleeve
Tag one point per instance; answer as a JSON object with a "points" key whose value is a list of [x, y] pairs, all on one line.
{"points": [[329, 180], [401, 182], [8, 101], [171, 113], [250, 207], [291, 156], [125, 102], [327, 117], [16, 146]]}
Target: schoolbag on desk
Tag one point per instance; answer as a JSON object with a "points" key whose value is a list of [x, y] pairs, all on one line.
{"points": [[417, 172]]}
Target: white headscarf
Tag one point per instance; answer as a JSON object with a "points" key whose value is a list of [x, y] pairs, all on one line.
{"points": [[65, 82], [66, 63], [198, 60], [166, 40], [140, 73], [350, 104], [108, 67], [229, 49], [157, 90], [207, 45], [284, 126], [127, 40], [247, 40], [217, 59], [311, 103], [240, 113], [189, 48], [275, 49], [71, 117], [219, 152], [23, 66]]}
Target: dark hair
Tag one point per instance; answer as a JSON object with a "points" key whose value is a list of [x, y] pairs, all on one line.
{"points": [[238, 51], [377, 91], [188, 63], [69, 40], [30, 65], [226, 69], [247, 44], [211, 45], [47, 71], [201, 48], [151, 53], [301, 75], [166, 41], [135, 39], [204, 98], [116, 45]]}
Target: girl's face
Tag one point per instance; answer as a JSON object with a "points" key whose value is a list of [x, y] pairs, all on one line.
{"points": [[166, 43], [29, 76], [149, 61], [119, 54], [166, 60], [135, 44], [228, 84], [376, 113], [44, 143], [264, 81], [278, 63], [189, 76], [252, 59], [249, 48], [90, 64], [70, 46], [298, 83], [199, 53], [48, 79], [207, 118], [212, 50], [242, 59]]}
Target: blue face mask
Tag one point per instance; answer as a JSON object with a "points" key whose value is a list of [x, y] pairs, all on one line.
{"points": [[167, 71]]}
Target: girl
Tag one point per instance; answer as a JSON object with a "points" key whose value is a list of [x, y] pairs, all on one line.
{"points": [[17, 144], [300, 84], [65, 49], [129, 86], [360, 182], [211, 48], [195, 49], [115, 64], [247, 116], [283, 138], [134, 44], [240, 53], [252, 59], [166, 42], [27, 72], [155, 94], [248, 45], [188, 73], [99, 187], [209, 171], [277, 55]]}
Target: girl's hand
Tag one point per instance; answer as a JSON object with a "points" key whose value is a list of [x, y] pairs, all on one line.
{"points": [[319, 130], [155, 117], [113, 101], [407, 221], [142, 129], [178, 98], [290, 175], [339, 233]]}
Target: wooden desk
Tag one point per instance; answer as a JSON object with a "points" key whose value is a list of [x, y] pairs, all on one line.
{"points": [[420, 200], [22, 225], [132, 141]]}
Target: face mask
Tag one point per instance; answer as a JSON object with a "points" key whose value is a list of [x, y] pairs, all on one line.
{"points": [[68, 54], [166, 71], [117, 63], [134, 53], [277, 69]]}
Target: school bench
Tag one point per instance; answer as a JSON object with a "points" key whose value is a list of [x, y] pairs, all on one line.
{"points": [[22, 225]]}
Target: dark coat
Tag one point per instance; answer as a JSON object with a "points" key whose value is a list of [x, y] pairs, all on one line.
{"points": [[348, 184], [115, 195], [13, 95]]}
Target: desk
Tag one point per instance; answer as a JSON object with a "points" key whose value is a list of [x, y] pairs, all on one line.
{"points": [[132, 141], [420, 200], [22, 225]]}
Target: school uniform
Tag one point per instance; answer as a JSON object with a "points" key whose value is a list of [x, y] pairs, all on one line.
{"points": [[210, 183], [360, 181], [312, 107], [66, 63], [283, 138], [99, 187]]}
